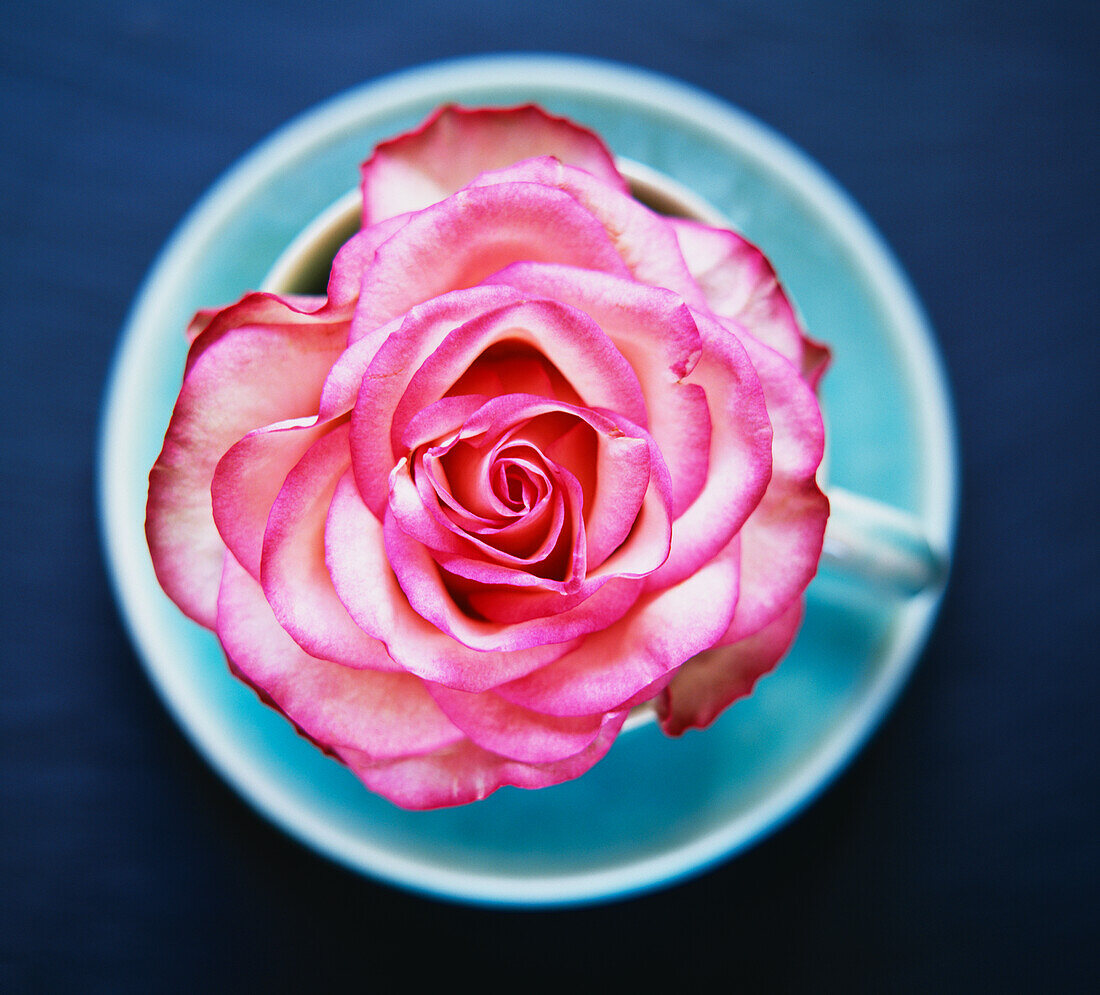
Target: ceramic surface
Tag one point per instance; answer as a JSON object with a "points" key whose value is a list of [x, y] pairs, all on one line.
{"points": [[654, 809]]}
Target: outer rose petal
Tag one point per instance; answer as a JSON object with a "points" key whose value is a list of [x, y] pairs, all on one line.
{"points": [[739, 455], [454, 145], [708, 684], [202, 319], [740, 283], [382, 715], [255, 303], [251, 473], [781, 541], [262, 311], [514, 732], [239, 377], [466, 773]]}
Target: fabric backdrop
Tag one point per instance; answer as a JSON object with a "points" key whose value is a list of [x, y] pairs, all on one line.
{"points": [[959, 852]]}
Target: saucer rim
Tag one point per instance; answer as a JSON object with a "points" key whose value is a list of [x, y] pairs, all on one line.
{"points": [[577, 77]]}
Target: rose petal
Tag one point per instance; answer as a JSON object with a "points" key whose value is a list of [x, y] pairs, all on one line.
{"points": [[294, 577], [611, 666], [781, 541], [657, 335], [249, 476], [417, 364], [383, 715], [709, 683], [346, 275], [739, 455], [454, 145], [459, 241], [365, 582], [514, 732], [740, 283], [202, 319], [576, 345], [524, 374], [304, 304], [239, 377], [261, 311], [601, 601], [645, 241], [466, 773]]}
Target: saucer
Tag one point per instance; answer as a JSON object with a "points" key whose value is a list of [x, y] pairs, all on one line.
{"points": [[655, 809]]}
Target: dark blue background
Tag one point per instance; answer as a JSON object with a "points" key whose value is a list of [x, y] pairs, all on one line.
{"points": [[960, 851]]}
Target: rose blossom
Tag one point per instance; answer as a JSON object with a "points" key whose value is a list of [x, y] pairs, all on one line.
{"points": [[541, 455]]}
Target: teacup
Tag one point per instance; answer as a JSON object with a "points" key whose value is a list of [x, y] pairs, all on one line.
{"points": [[654, 810]]}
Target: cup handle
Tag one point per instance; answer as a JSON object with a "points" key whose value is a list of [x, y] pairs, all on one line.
{"points": [[880, 546]]}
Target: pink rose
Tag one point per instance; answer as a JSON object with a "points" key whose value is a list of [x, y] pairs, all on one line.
{"points": [[540, 456]]}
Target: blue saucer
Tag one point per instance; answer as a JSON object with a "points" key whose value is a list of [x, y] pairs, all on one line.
{"points": [[655, 809]]}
